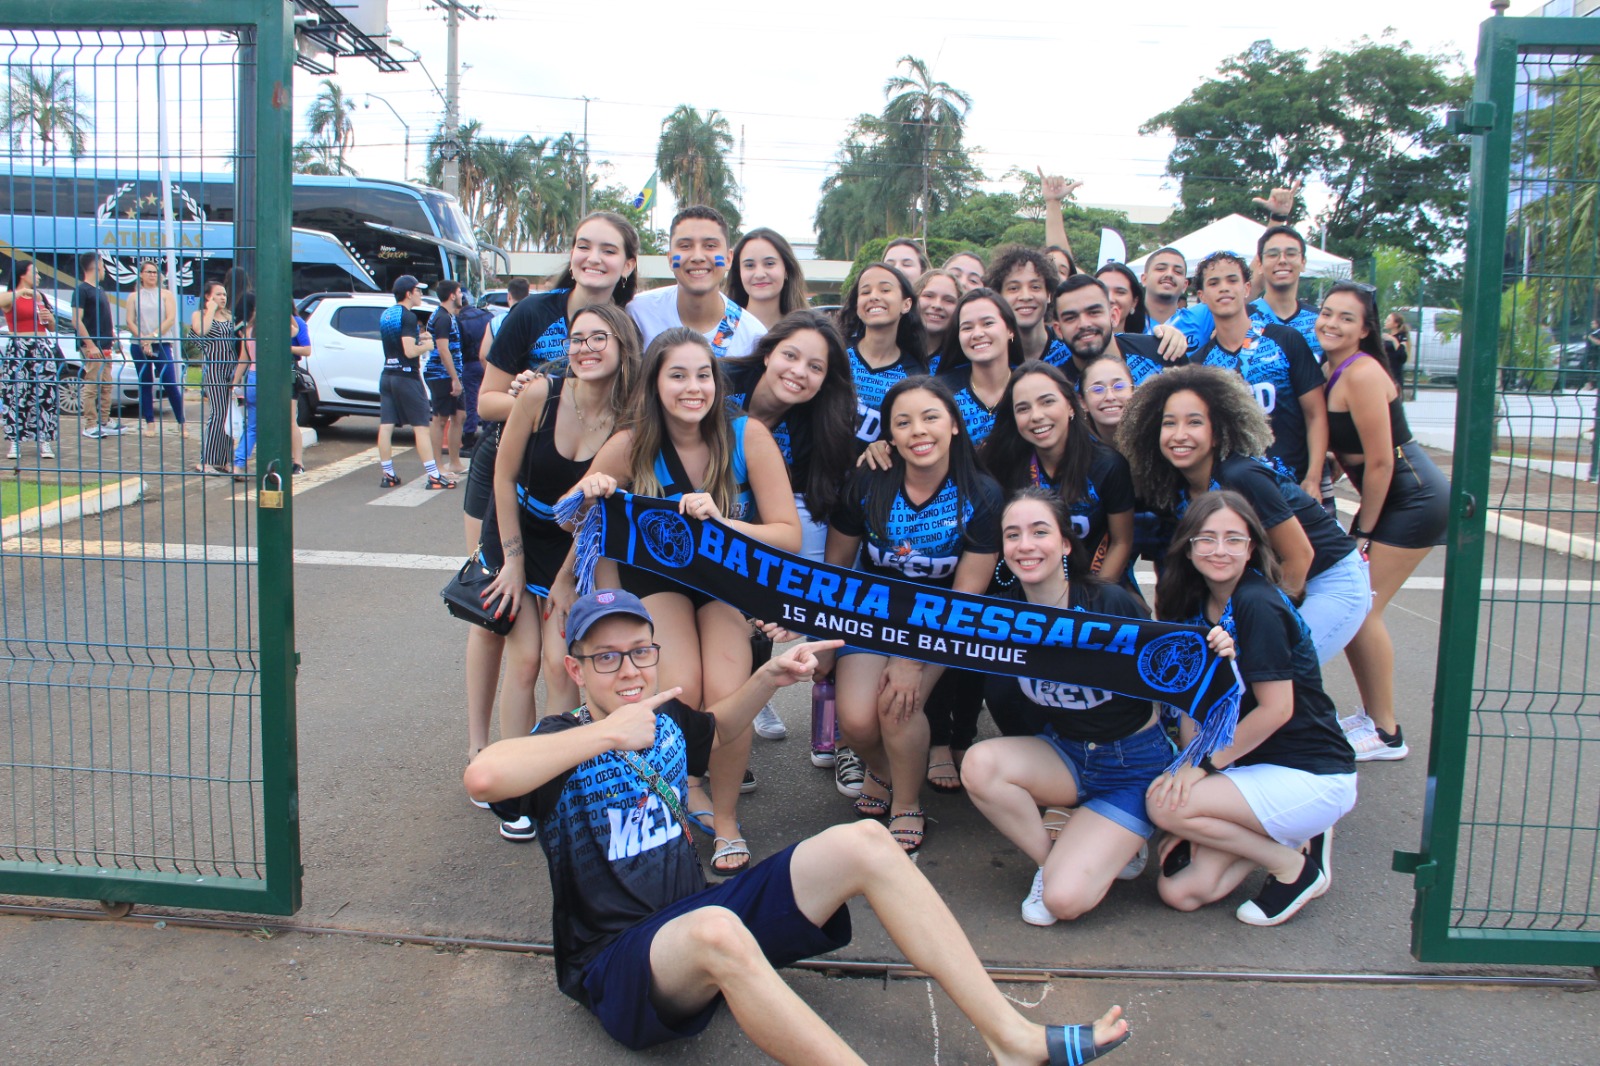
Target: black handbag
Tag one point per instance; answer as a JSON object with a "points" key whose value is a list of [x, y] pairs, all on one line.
{"points": [[463, 596], [303, 385]]}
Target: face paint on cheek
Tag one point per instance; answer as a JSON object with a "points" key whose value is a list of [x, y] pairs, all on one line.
{"points": [[677, 261], [719, 261]]}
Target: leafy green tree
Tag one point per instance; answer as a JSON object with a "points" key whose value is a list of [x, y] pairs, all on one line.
{"points": [[330, 119], [1559, 136], [1367, 124], [692, 158], [934, 113], [318, 157], [471, 177], [618, 198], [46, 104], [1525, 355]]}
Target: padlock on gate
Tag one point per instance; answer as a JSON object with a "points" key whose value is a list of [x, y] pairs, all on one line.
{"points": [[272, 490]]}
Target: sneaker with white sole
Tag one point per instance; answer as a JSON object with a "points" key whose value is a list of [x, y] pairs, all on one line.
{"points": [[94, 433], [114, 428], [768, 725], [519, 830], [823, 758], [1034, 912], [1378, 746], [1277, 902], [1136, 864], [748, 785], [1356, 723], [11, 450], [848, 773], [45, 451]]}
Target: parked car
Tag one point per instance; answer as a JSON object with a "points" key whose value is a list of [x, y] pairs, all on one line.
{"points": [[346, 354], [1435, 350]]}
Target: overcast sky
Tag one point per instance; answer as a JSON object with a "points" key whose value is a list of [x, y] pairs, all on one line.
{"points": [[1067, 91]]}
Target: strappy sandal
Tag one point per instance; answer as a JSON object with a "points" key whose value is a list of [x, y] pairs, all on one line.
{"points": [[736, 848], [873, 806], [1072, 1045], [942, 782], [910, 840], [1055, 820]]}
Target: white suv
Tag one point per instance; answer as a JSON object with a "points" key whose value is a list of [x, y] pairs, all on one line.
{"points": [[346, 354]]}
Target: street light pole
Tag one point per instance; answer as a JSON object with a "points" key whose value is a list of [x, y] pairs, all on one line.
{"points": [[405, 173], [452, 99], [583, 191]]}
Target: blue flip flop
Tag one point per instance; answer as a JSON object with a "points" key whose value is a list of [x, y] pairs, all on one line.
{"points": [[701, 820], [1073, 1045]]}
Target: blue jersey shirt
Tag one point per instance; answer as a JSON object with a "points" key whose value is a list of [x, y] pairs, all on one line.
{"points": [[921, 542], [978, 416], [395, 323], [443, 327], [872, 385], [1279, 368], [1303, 321]]}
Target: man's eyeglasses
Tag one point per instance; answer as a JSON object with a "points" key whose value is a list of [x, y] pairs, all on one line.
{"points": [[609, 662], [1116, 388], [1234, 545], [595, 342]]}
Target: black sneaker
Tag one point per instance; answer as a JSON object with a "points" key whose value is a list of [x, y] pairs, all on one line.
{"points": [[1320, 848], [748, 785], [1277, 902], [389, 481], [519, 830]]}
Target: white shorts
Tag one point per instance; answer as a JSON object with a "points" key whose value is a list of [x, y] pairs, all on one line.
{"points": [[813, 535], [1292, 805]]}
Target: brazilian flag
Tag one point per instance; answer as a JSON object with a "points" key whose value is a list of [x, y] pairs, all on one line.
{"points": [[647, 196]]}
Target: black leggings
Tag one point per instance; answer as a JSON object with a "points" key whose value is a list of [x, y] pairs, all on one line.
{"points": [[953, 708]]}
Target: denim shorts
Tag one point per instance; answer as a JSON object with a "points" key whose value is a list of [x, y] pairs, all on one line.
{"points": [[1336, 603], [1112, 775], [617, 980]]}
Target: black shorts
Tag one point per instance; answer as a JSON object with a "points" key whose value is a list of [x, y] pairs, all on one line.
{"points": [[402, 401], [643, 583], [445, 403], [480, 476], [1416, 512], [617, 981]]}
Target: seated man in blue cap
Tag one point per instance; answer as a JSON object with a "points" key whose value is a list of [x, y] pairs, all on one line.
{"points": [[640, 938]]}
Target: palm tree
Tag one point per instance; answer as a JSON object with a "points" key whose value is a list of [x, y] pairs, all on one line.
{"points": [[331, 118], [317, 157], [935, 113], [692, 158], [468, 136], [46, 104]]}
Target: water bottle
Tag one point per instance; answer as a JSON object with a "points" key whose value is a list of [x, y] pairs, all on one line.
{"points": [[823, 729]]}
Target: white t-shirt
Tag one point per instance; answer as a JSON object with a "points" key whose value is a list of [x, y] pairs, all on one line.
{"points": [[656, 311]]}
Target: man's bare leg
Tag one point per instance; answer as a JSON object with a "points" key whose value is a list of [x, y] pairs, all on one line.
{"points": [[707, 951], [863, 860]]}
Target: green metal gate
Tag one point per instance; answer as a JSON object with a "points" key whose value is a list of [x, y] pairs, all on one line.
{"points": [[1509, 870], [147, 725]]}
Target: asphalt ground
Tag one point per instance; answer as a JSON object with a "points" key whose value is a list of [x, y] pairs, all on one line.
{"points": [[393, 850]]}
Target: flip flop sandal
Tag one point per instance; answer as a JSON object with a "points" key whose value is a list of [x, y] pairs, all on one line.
{"points": [[1073, 1045], [701, 820], [912, 837], [730, 849], [939, 782], [872, 806], [1055, 820]]}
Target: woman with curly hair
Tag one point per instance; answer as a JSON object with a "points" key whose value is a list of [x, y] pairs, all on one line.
{"points": [[1195, 429], [766, 279]]}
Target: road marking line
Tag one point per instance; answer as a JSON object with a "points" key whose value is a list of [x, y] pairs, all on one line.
{"points": [[413, 493], [339, 468]]}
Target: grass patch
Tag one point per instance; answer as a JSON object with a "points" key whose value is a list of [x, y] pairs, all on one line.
{"points": [[19, 496]]}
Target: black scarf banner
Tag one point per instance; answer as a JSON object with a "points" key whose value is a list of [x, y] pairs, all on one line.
{"points": [[1160, 661]]}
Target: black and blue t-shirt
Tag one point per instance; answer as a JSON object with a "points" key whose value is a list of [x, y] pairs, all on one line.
{"points": [[1303, 321], [792, 433], [1142, 353], [1107, 491], [1057, 354], [1273, 644], [443, 327], [978, 416], [396, 323], [532, 333], [922, 542], [1277, 364], [616, 852], [872, 385], [1276, 499]]}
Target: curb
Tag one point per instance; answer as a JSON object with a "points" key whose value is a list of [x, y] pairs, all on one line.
{"points": [[69, 508]]}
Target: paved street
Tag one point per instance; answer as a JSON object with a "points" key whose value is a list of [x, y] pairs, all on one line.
{"points": [[393, 849]]}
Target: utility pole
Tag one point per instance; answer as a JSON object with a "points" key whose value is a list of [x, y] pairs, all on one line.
{"points": [[450, 147], [583, 186]]}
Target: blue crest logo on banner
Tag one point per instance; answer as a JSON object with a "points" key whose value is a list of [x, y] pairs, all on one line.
{"points": [[1173, 663], [667, 538]]}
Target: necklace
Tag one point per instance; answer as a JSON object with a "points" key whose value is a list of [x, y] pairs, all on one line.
{"points": [[578, 410]]}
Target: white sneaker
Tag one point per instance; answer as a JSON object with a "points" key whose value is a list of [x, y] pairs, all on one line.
{"points": [[11, 450], [822, 759], [769, 726], [1356, 723], [1034, 912], [94, 433], [45, 451], [1374, 746], [1136, 864], [114, 428]]}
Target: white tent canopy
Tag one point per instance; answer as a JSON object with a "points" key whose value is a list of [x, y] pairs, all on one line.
{"points": [[1239, 234]]}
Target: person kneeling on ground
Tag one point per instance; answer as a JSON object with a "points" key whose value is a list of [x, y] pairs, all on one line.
{"points": [[641, 940]]}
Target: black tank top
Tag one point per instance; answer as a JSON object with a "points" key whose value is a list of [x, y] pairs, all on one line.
{"points": [[1342, 434], [546, 474]]}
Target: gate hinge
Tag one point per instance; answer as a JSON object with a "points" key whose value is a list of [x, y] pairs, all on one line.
{"points": [[1426, 871], [1476, 118]]}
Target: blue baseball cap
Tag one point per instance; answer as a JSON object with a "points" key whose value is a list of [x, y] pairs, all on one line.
{"points": [[600, 604]]}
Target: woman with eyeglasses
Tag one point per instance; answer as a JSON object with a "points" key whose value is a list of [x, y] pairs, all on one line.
{"points": [[1043, 437], [1271, 797], [1106, 386], [1089, 751], [1195, 429], [557, 425], [685, 444], [1405, 500]]}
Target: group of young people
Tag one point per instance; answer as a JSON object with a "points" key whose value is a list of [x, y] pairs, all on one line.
{"points": [[1011, 427]]}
